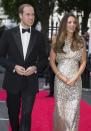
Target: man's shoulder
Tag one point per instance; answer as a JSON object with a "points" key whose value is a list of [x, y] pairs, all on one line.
{"points": [[37, 32], [13, 28]]}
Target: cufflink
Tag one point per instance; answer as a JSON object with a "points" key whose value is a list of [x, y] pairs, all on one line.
{"points": [[35, 71], [14, 70]]}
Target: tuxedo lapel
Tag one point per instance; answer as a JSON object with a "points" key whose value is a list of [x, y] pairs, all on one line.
{"points": [[31, 43], [18, 42]]}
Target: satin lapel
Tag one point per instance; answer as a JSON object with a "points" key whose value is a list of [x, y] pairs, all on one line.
{"points": [[18, 42], [31, 43]]}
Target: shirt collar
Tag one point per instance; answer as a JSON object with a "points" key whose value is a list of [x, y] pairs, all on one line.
{"points": [[21, 27]]}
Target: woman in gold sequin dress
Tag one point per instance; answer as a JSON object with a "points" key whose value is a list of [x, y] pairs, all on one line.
{"points": [[69, 52]]}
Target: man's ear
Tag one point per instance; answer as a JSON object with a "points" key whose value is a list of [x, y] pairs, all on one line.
{"points": [[20, 16]]}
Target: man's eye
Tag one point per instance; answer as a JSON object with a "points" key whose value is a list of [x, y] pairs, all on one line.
{"points": [[69, 22]]}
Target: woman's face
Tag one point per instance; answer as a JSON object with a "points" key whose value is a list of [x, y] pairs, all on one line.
{"points": [[71, 25]]}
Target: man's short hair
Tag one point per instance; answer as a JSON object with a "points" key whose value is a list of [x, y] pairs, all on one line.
{"points": [[21, 7]]}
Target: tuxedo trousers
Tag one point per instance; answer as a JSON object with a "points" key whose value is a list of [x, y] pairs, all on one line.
{"points": [[21, 102]]}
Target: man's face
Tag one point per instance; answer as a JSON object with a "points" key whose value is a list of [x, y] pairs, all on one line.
{"points": [[27, 18]]}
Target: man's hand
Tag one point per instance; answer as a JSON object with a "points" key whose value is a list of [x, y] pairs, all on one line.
{"points": [[30, 70], [20, 70]]}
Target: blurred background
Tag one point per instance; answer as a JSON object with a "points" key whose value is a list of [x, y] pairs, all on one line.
{"points": [[48, 15]]}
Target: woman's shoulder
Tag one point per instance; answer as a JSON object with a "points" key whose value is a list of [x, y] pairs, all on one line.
{"points": [[82, 42], [54, 39]]}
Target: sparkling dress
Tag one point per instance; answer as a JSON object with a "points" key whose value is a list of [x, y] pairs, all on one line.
{"points": [[67, 98]]}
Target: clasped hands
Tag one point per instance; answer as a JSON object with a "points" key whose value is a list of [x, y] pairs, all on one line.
{"points": [[25, 72], [70, 82]]}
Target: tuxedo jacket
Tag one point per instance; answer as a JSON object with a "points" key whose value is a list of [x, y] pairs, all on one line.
{"points": [[11, 54]]}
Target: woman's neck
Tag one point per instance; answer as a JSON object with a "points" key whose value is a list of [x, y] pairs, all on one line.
{"points": [[69, 37]]}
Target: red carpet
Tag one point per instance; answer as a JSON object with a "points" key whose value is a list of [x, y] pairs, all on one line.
{"points": [[42, 119]]}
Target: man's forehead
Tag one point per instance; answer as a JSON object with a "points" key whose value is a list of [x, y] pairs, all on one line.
{"points": [[28, 8]]}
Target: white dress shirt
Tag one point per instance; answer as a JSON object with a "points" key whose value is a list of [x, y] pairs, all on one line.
{"points": [[25, 37]]}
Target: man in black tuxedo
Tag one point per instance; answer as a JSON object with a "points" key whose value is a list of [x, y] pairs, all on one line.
{"points": [[22, 53]]}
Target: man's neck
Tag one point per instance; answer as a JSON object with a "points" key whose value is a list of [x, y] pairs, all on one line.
{"points": [[24, 26]]}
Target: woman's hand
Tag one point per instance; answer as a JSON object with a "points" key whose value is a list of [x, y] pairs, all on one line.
{"points": [[72, 82], [65, 80]]}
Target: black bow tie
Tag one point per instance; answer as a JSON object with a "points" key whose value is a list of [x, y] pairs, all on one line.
{"points": [[26, 30]]}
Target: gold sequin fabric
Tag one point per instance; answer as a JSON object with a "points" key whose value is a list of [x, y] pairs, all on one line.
{"points": [[67, 98]]}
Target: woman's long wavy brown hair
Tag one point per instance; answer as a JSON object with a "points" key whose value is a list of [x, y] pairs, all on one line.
{"points": [[77, 40]]}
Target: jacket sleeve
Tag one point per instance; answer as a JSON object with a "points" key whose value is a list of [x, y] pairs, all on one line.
{"points": [[42, 59], [4, 45]]}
